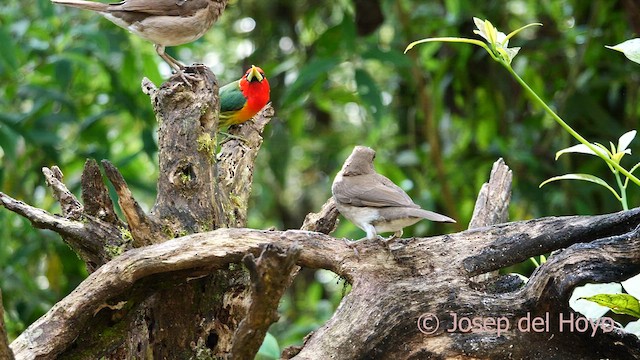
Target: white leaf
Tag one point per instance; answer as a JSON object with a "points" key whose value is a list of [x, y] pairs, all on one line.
{"points": [[584, 177], [580, 148], [633, 327], [512, 52], [630, 49], [590, 309], [632, 286], [625, 140], [480, 25]]}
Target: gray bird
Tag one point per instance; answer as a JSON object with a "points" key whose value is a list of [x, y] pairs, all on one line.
{"points": [[371, 201], [163, 22]]}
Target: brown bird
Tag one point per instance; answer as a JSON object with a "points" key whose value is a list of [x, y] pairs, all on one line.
{"points": [[162, 22], [373, 202]]}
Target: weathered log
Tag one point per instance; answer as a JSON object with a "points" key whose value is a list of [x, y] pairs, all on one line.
{"points": [[391, 290]]}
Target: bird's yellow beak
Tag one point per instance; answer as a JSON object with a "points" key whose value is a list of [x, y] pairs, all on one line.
{"points": [[254, 73]]}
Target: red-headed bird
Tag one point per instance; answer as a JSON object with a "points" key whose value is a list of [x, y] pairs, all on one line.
{"points": [[242, 99]]}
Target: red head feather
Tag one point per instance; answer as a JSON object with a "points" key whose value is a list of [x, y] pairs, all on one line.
{"points": [[255, 88]]}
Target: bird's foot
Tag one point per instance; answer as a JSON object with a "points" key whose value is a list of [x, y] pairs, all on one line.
{"points": [[176, 65], [352, 245], [396, 235], [185, 76]]}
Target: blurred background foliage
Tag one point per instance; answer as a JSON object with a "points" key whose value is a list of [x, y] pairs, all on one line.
{"points": [[438, 116]]}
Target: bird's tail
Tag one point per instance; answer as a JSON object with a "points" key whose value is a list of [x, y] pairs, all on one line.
{"points": [[82, 4], [430, 215]]}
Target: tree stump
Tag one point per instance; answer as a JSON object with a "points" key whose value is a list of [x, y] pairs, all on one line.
{"points": [[170, 284]]}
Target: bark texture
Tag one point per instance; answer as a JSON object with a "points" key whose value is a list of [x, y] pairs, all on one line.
{"points": [[381, 316], [5, 351], [164, 317], [170, 284]]}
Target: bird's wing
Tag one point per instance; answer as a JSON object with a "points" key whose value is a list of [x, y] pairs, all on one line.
{"points": [[372, 190], [161, 7], [231, 98]]}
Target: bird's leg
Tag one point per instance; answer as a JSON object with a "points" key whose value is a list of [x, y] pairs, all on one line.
{"points": [[352, 245], [174, 64], [372, 234]]}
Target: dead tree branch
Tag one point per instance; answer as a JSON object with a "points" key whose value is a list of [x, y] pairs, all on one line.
{"points": [[235, 167], [5, 351], [95, 196], [324, 221], [270, 275], [95, 241], [144, 229], [492, 204], [71, 207]]}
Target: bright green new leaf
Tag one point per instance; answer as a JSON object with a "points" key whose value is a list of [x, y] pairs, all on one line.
{"points": [[583, 177], [630, 49], [618, 303]]}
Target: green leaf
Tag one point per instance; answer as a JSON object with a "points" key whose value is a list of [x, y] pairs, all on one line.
{"points": [[630, 49], [618, 303], [516, 31], [269, 348], [8, 51], [370, 93], [583, 177]]}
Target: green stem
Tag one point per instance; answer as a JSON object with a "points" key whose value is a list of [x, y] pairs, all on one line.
{"points": [[568, 128], [623, 191], [535, 262]]}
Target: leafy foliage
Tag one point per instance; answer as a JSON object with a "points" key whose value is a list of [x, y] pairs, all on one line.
{"points": [[438, 117]]}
